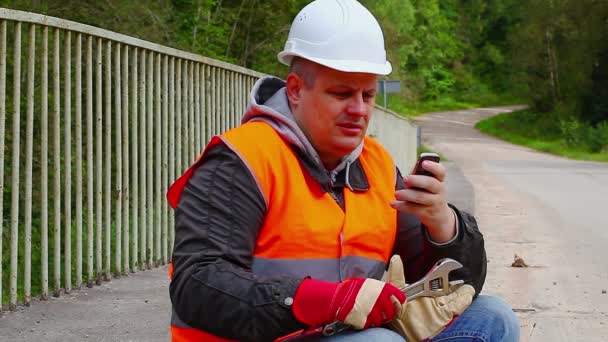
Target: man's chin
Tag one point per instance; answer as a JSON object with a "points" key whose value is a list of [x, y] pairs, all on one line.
{"points": [[347, 147]]}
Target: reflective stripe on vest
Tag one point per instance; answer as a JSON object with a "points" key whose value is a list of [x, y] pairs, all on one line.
{"points": [[305, 232], [355, 266]]}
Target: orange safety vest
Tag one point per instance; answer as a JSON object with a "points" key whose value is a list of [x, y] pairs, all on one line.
{"points": [[305, 232]]}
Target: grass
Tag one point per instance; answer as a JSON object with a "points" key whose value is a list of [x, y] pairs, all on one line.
{"points": [[409, 108], [403, 107], [538, 131]]}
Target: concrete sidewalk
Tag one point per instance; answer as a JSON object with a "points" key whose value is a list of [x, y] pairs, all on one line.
{"points": [[132, 308]]}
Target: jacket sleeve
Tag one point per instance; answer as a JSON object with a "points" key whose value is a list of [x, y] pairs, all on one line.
{"points": [[419, 253], [216, 225]]}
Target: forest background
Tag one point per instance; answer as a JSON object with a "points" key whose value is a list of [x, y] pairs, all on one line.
{"points": [[448, 54]]}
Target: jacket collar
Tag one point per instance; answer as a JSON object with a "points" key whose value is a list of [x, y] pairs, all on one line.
{"points": [[357, 179]]}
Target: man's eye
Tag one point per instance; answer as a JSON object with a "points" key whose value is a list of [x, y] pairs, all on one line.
{"points": [[369, 98]]}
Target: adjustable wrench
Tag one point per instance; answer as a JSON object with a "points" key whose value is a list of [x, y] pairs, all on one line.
{"points": [[434, 284]]}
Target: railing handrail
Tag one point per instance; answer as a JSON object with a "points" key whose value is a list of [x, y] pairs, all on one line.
{"points": [[35, 18]]}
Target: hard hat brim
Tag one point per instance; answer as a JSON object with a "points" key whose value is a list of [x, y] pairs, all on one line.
{"points": [[285, 57]]}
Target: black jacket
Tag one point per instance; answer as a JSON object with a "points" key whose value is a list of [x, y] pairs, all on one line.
{"points": [[216, 226]]}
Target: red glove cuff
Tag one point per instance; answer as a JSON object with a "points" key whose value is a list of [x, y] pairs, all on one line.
{"points": [[318, 302], [311, 303]]}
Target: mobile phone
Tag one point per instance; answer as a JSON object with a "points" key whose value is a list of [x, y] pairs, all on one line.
{"points": [[418, 170]]}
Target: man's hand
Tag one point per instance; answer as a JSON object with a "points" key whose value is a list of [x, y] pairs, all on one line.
{"points": [[359, 302], [428, 202], [425, 317]]}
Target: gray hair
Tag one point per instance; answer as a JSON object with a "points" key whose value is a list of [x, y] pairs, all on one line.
{"points": [[305, 69]]}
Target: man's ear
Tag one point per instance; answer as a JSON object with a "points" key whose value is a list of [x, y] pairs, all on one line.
{"points": [[294, 87]]}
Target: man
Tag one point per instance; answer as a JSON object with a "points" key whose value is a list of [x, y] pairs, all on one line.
{"points": [[288, 221]]}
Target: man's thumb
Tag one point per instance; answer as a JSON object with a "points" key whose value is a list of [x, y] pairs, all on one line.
{"points": [[396, 275]]}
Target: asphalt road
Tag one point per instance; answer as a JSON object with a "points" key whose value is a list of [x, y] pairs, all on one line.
{"points": [[551, 211]]}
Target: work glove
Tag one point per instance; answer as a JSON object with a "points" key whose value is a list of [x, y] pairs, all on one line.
{"points": [[425, 317], [359, 302]]}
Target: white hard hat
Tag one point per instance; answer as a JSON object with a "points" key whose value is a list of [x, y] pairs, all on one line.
{"points": [[339, 34]]}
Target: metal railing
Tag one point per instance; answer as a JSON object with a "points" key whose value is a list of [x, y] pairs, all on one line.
{"points": [[126, 118], [121, 118]]}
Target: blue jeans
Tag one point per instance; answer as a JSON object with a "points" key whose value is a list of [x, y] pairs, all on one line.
{"points": [[488, 319]]}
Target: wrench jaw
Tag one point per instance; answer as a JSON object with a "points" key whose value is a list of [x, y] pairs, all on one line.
{"points": [[446, 265], [443, 267], [455, 284], [441, 287], [436, 282]]}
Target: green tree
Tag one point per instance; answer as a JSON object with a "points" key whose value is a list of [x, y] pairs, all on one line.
{"points": [[435, 49]]}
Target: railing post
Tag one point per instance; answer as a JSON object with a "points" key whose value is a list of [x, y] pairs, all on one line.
{"points": [[203, 112], [78, 132], [108, 160], [184, 118], [142, 160], [15, 166], [56, 166], [171, 139], [98, 162], [67, 201], [213, 101], [29, 154], [149, 165], [192, 114], [125, 165], [44, 170], [90, 183], [197, 109], [165, 154], [2, 137], [157, 157], [119, 166], [178, 118], [135, 158]]}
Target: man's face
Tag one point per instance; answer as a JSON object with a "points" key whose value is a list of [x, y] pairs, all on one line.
{"points": [[333, 112]]}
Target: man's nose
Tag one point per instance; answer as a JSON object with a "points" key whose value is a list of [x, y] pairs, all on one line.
{"points": [[357, 106]]}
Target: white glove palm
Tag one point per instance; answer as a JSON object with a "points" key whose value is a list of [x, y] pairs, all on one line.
{"points": [[425, 317]]}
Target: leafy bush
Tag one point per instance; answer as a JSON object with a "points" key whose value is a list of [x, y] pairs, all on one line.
{"points": [[438, 81], [572, 131], [576, 133], [598, 138]]}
